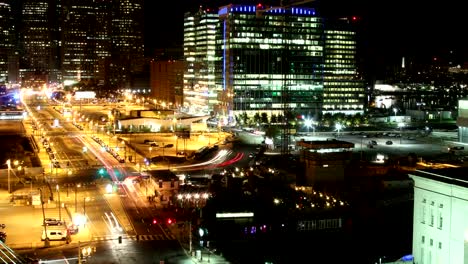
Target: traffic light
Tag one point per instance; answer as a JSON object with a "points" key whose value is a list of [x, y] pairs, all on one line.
{"points": [[120, 239], [101, 171], [155, 221]]}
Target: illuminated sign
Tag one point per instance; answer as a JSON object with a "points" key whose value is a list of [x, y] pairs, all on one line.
{"points": [[84, 95], [234, 215]]}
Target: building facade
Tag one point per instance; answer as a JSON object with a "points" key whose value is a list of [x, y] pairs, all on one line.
{"points": [[462, 120], [270, 60], [6, 34], [343, 88], [440, 232], [199, 51], [97, 42], [167, 82]]}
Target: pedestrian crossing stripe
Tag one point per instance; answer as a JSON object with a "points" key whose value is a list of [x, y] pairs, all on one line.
{"points": [[135, 238]]}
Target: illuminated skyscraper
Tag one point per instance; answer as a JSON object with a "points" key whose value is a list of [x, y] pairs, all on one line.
{"points": [[270, 60], [6, 43], [127, 41], [343, 88], [199, 50], [38, 49]]}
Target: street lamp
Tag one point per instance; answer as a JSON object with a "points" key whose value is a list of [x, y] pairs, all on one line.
{"points": [[9, 168], [60, 205], [76, 200], [308, 124], [401, 125], [338, 127], [395, 111]]}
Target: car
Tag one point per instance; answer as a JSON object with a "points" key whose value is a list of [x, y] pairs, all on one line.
{"points": [[373, 142], [458, 148], [181, 153], [389, 142], [73, 229], [169, 145], [52, 221]]}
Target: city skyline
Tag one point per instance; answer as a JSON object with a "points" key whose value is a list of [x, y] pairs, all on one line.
{"points": [[389, 30]]}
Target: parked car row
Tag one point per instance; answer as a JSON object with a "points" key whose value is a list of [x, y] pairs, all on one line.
{"points": [[114, 153], [80, 127], [51, 153]]}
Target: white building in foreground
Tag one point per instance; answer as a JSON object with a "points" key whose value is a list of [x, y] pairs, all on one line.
{"points": [[440, 223]]}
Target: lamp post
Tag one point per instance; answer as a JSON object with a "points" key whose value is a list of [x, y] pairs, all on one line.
{"points": [[338, 127], [76, 200], [401, 125], [60, 205], [8, 162], [46, 243]]}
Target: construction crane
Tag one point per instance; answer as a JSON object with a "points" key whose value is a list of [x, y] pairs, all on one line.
{"points": [[285, 70]]}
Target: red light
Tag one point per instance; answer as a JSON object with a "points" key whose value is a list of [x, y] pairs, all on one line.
{"points": [[354, 18], [169, 221], [259, 6], [155, 221]]}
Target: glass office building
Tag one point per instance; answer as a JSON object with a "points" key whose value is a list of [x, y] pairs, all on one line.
{"points": [[200, 95], [269, 60], [343, 88]]}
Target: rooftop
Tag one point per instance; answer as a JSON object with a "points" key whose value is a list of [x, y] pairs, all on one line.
{"points": [[456, 176]]}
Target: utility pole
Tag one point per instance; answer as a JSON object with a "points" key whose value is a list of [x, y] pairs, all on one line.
{"points": [[190, 236], [8, 162], [46, 243]]}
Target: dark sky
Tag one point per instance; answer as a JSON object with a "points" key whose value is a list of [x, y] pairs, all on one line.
{"points": [[389, 29]]}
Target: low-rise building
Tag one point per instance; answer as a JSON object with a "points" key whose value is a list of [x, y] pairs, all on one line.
{"points": [[324, 162], [440, 229]]}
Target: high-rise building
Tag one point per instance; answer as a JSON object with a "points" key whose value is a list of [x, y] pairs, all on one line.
{"points": [[199, 50], [36, 41], [270, 60], [166, 77], [78, 47], [98, 42], [127, 41], [6, 43], [343, 88]]}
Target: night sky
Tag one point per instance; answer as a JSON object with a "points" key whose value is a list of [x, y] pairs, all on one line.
{"points": [[388, 29]]}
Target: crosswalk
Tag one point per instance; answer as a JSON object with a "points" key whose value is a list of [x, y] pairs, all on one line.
{"points": [[137, 237]]}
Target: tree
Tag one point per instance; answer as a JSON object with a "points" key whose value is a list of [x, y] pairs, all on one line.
{"points": [[272, 132], [273, 119], [244, 118], [264, 118], [257, 118]]}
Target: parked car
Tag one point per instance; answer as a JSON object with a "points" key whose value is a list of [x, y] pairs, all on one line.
{"points": [[52, 221], [389, 142], [169, 145]]}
